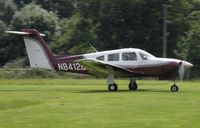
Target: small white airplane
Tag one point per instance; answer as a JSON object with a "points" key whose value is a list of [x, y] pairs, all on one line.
{"points": [[127, 62]]}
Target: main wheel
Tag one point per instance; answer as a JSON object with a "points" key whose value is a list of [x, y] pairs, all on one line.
{"points": [[112, 87], [174, 88], [133, 86]]}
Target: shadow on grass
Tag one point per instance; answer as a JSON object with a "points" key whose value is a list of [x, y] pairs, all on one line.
{"points": [[119, 91], [86, 91], [34, 90]]}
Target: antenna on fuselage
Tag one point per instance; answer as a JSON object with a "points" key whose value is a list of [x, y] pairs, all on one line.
{"points": [[93, 48]]}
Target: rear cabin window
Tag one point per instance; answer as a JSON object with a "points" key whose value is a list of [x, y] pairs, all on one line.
{"points": [[113, 57], [100, 58], [129, 56]]}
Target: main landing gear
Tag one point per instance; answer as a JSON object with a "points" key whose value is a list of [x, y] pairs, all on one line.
{"points": [[112, 87], [174, 87], [132, 85]]}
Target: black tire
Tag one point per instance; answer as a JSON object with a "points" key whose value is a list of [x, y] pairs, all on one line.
{"points": [[112, 87], [133, 86], [174, 88]]}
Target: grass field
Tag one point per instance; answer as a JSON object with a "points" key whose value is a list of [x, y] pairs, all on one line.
{"points": [[85, 103]]}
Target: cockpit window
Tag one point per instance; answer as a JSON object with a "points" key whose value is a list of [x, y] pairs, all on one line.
{"points": [[100, 58], [145, 56], [129, 56], [113, 57]]}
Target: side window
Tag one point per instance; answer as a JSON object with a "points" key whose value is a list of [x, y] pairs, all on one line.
{"points": [[129, 56], [113, 57], [100, 58], [143, 56]]}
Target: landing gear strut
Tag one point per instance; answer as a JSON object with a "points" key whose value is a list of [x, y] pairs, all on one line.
{"points": [[174, 87], [133, 85], [112, 87]]}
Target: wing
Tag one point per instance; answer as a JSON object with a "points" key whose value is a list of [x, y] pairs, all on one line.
{"points": [[101, 68]]}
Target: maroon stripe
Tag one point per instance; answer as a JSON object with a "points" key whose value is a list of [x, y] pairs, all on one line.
{"points": [[157, 70]]}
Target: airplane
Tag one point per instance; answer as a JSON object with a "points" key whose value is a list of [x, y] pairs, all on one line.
{"points": [[126, 62]]}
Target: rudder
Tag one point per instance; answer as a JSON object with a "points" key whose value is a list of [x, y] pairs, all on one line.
{"points": [[39, 54]]}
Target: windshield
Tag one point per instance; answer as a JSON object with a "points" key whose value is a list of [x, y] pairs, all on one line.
{"points": [[145, 55]]}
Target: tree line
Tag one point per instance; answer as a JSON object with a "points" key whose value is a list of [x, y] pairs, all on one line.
{"points": [[70, 26]]}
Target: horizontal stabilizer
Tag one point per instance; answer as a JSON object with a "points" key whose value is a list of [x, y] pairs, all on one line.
{"points": [[21, 33]]}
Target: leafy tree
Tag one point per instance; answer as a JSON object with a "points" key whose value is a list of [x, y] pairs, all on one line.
{"points": [[35, 17], [21, 3], [117, 24], [74, 38], [63, 8], [189, 44], [107, 24], [30, 16], [2, 43], [7, 10], [178, 13]]}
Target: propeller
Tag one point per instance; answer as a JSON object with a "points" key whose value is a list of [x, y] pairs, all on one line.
{"points": [[181, 71], [184, 69]]}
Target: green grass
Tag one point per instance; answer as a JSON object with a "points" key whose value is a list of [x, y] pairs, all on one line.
{"points": [[85, 103]]}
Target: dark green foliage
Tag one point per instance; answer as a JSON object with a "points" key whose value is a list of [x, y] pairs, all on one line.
{"points": [[21, 3], [63, 8], [75, 36], [189, 44], [118, 24], [107, 24], [30, 16], [33, 16], [7, 10]]}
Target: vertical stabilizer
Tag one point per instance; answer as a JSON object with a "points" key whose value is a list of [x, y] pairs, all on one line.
{"points": [[39, 54]]}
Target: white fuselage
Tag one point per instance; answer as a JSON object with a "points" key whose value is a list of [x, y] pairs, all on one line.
{"points": [[141, 59]]}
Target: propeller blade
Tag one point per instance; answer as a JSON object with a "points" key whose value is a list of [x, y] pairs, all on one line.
{"points": [[184, 69], [181, 71]]}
